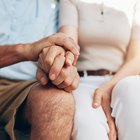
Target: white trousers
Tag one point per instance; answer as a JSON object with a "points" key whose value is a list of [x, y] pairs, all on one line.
{"points": [[91, 124]]}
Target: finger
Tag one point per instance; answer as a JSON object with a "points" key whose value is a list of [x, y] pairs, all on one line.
{"points": [[41, 77], [111, 123], [56, 67], [70, 75], [75, 60], [52, 53], [106, 107], [61, 77], [112, 133], [69, 58], [41, 59], [97, 98], [74, 84], [68, 43], [42, 64]]}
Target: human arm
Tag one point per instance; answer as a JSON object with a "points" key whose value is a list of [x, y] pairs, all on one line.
{"points": [[71, 31], [131, 65], [102, 95], [11, 54]]}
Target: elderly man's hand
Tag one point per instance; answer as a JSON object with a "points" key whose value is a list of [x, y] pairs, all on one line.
{"points": [[53, 59], [33, 50], [56, 64], [68, 78]]}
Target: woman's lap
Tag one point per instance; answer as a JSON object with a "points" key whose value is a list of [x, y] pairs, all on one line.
{"points": [[89, 123], [125, 104]]}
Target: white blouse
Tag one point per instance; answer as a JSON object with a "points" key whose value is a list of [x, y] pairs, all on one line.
{"points": [[105, 28]]}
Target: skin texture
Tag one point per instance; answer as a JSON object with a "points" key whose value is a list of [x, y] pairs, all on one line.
{"points": [[11, 54], [48, 110], [57, 65]]}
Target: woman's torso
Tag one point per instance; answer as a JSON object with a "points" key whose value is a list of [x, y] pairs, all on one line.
{"points": [[104, 32]]}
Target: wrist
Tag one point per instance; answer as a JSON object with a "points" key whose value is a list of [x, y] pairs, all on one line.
{"points": [[107, 87], [25, 52], [111, 84]]}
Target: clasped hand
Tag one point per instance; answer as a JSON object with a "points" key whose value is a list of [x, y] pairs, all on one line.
{"points": [[57, 65]]}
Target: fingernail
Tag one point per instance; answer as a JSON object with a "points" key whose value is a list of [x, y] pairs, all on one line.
{"points": [[52, 76], [69, 62], [43, 81], [96, 104]]}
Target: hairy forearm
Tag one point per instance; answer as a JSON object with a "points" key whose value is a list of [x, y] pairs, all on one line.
{"points": [[11, 54]]}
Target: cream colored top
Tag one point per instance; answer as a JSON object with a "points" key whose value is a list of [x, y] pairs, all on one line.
{"points": [[105, 28]]}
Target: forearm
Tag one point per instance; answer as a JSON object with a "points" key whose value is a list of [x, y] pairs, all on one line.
{"points": [[70, 31], [131, 67], [11, 54]]}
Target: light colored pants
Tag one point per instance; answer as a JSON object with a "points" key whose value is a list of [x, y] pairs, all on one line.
{"points": [[91, 124], [126, 108]]}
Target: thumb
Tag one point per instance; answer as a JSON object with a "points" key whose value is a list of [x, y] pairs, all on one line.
{"points": [[97, 98], [41, 77]]}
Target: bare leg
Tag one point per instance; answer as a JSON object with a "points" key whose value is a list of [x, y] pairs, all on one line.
{"points": [[50, 112]]}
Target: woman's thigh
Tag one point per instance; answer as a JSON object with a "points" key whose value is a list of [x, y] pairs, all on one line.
{"points": [[89, 123], [125, 104]]}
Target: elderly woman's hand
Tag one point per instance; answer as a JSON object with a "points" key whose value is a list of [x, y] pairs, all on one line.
{"points": [[102, 97]]}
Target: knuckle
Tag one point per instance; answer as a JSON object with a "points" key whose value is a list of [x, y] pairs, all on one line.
{"points": [[74, 86], [48, 61], [53, 47], [44, 50], [67, 82]]}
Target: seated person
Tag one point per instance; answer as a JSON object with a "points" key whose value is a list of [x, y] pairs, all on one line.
{"points": [[108, 33], [24, 101]]}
